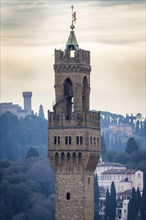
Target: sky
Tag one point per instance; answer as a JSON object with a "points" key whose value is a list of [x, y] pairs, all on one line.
{"points": [[113, 31]]}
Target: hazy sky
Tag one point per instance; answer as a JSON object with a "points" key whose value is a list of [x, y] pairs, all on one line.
{"points": [[113, 30]]}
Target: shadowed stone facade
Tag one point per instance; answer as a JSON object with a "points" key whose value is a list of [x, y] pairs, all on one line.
{"points": [[74, 134]]}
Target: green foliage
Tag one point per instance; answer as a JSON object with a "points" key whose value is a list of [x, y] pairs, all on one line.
{"points": [[96, 198], [143, 204], [113, 203], [107, 205], [103, 148], [26, 198], [111, 155], [22, 216], [133, 205], [131, 146], [110, 203], [32, 152], [4, 163], [17, 136], [41, 112]]}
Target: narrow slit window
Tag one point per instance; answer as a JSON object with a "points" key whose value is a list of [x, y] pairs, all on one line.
{"points": [[69, 140], [55, 140], [68, 196], [94, 140], [91, 140]]}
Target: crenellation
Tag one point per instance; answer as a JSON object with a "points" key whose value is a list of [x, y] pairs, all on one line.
{"points": [[65, 57], [91, 119]]}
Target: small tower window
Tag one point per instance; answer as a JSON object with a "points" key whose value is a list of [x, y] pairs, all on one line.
{"points": [[68, 140], [72, 53], [79, 140], [88, 180], [91, 140], [68, 196], [94, 140], [56, 140]]}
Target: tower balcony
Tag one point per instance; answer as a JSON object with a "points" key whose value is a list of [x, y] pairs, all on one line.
{"points": [[84, 119]]}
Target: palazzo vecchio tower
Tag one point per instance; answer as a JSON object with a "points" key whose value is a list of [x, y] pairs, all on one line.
{"points": [[74, 133]]}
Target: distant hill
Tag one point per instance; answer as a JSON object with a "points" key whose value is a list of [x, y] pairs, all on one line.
{"points": [[18, 135], [116, 129]]}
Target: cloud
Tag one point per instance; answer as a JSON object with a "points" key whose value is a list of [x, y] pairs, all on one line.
{"points": [[114, 34], [40, 23]]}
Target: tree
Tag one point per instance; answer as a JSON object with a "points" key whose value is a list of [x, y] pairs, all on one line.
{"points": [[41, 112], [113, 203], [96, 198], [107, 205], [138, 200], [143, 204], [32, 152], [137, 130], [111, 155], [131, 146], [132, 206], [103, 148]]}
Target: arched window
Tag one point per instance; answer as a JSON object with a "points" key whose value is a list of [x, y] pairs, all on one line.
{"points": [[85, 95], [80, 157], [68, 157], [62, 158], [56, 158], [68, 94], [74, 157]]}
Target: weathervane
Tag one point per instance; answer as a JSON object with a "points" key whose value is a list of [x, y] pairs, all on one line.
{"points": [[73, 18]]}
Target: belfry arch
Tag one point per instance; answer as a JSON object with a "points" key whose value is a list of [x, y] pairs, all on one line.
{"points": [[85, 95], [68, 95]]}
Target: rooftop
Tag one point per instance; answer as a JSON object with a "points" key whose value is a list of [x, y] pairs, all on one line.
{"points": [[72, 43], [119, 171], [125, 193], [111, 164]]}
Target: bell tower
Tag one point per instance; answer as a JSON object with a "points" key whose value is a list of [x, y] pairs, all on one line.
{"points": [[74, 133]]}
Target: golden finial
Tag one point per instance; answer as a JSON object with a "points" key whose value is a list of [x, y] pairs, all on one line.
{"points": [[73, 18]]}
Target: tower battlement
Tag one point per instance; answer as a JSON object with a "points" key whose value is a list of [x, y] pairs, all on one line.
{"points": [[72, 57], [83, 119]]}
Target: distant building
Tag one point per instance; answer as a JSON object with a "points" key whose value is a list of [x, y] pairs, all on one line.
{"points": [[16, 109], [123, 178], [122, 204], [27, 101]]}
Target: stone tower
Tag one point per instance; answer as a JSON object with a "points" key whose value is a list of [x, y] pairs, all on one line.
{"points": [[74, 133], [27, 101]]}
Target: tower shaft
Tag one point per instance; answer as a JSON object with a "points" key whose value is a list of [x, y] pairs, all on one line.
{"points": [[74, 134], [27, 101]]}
